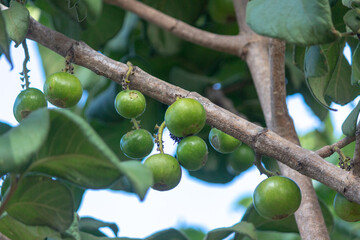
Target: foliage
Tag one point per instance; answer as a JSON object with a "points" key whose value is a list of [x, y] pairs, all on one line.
{"points": [[53, 156]]}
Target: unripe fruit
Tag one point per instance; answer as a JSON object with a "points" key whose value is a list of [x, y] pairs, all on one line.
{"points": [[166, 171], [63, 89], [346, 210], [186, 116], [27, 101], [277, 197], [192, 153], [130, 103], [137, 143], [241, 159], [223, 142]]}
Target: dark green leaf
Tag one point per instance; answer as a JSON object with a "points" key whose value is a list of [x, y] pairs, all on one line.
{"points": [[355, 67], [87, 236], [349, 125], [168, 234], [4, 127], [304, 22], [315, 64], [241, 229], [75, 152], [17, 19], [193, 233], [40, 201], [92, 225], [16, 230], [94, 9], [77, 194], [4, 39], [20, 143], [299, 56]]}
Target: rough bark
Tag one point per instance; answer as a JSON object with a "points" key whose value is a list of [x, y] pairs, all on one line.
{"points": [[262, 140], [308, 217]]}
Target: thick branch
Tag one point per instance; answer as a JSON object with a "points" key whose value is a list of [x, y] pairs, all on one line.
{"points": [[263, 141], [228, 44], [356, 160], [308, 217]]}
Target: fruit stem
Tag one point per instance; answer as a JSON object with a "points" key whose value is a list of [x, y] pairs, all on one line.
{"points": [[14, 180], [159, 137], [344, 161], [126, 80], [260, 167], [25, 71], [135, 123]]}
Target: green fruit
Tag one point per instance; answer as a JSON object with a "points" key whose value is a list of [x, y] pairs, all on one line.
{"points": [[166, 171], [222, 11], [223, 142], [185, 117], [130, 103], [27, 101], [241, 159], [63, 89], [346, 210], [192, 153], [137, 143], [277, 197]]}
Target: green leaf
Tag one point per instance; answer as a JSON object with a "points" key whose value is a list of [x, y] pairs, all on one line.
{"points": [[92, 225], [4, 127], [355, 67], [349, 125], [87, 236], [299, 56], [4, 39], [17, 19], [16, 230], [305, 22], [41, 201], [284, 225], [168, 234], [351, 3], [315, 64], [352, 20], [19, 143], [75, 152], [241, 229]]}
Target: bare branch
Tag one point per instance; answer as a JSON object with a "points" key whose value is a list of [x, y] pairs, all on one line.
{"points": [[3, 237], [356, 160], [327, 151], [240, 10], [308, 217], [229, 44], [263, 141]]}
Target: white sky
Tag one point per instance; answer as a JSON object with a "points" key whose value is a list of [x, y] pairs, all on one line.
{"points": [[193, 202]]}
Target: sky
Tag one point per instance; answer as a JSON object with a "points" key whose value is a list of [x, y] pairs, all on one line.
{"points": [[192, 203]]}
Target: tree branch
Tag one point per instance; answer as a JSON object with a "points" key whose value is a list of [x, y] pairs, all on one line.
{"points": [[327, 151], [356, 160], [308, 217], [3, 237], [262, 140], [229, 44]]}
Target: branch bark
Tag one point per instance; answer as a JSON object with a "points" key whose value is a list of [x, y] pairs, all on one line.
{"points": [[262, 140], [230, 44], [356, 160], [308, 217]]}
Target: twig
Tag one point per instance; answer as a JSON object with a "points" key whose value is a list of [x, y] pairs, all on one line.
{"points": [[223, 43], [267, 143], [327, 151], [260, 167]]}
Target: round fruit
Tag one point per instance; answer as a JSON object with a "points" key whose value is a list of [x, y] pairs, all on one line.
{"points": [[130, 103], [192, 153], [241, 159], [346, 210], [185, 117], [277, 197], [27, 101], [223, 142], [137, 143], [222, 11], [63, 89], [166, 171]]}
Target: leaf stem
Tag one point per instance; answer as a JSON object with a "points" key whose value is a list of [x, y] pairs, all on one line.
{"points": [[135, 123], [14, 180], [159, 136], [25, 71], [260, 167]]}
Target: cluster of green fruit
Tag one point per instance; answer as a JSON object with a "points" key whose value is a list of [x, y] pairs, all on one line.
{"points": [[62, 89]]}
